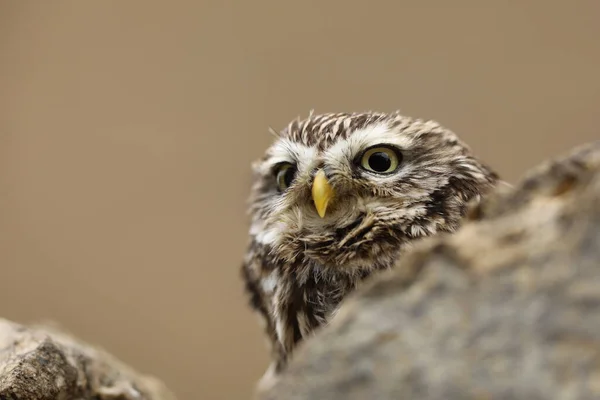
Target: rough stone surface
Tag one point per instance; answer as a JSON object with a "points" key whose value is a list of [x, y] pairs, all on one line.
{"points": [[43, 363], [506, 308]]}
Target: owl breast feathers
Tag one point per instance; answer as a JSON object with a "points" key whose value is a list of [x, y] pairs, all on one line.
{"points": [[340, 196]]}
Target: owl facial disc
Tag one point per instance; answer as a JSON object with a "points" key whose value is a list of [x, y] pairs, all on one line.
{"points": [[322, 192]]}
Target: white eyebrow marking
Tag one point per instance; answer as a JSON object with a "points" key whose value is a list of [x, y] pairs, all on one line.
{"points": [[362, 138], [285, 150], [344, 150]]}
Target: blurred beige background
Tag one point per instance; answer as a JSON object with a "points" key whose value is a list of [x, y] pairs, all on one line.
{"points": [[127, 129]]}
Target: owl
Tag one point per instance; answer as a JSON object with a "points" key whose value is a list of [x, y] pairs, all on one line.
{"points": [[339, 197]]}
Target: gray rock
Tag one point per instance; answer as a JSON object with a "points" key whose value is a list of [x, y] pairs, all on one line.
{"points": [[506, 308], [43, 363]]}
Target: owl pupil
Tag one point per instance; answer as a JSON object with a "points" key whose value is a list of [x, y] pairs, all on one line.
{"points": [[288, 176], [380, 162], [285, 176]]}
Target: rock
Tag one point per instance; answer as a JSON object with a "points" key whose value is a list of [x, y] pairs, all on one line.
{"points": [[506, 308], [43, 363]]}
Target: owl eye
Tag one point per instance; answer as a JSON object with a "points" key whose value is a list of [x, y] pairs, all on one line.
{"points": [[285, 175], [381, 159]]}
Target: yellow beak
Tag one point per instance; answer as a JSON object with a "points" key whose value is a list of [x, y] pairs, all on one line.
{"points": [[322, 193]]}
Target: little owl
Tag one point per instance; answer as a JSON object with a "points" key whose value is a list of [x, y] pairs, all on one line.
{"points": [[340, 196]]}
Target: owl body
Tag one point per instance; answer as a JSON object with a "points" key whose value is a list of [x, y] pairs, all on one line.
{"points": [[340, 196]]}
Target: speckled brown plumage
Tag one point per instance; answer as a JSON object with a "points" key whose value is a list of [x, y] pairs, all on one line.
{"points": [[299, 266]]}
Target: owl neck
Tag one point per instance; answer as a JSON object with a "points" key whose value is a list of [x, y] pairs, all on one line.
{"points": [[314, 291]]}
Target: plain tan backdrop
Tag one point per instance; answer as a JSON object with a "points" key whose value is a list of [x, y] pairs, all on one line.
{"points": [[127, 129]]}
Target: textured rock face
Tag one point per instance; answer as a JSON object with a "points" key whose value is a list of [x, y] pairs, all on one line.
{"points": [[506, 308], [45, 364]]}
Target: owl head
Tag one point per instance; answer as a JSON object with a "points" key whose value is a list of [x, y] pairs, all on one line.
{"points": [[347, 191]]}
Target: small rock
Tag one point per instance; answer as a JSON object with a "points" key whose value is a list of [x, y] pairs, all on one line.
{"points": [[43, 363]]}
